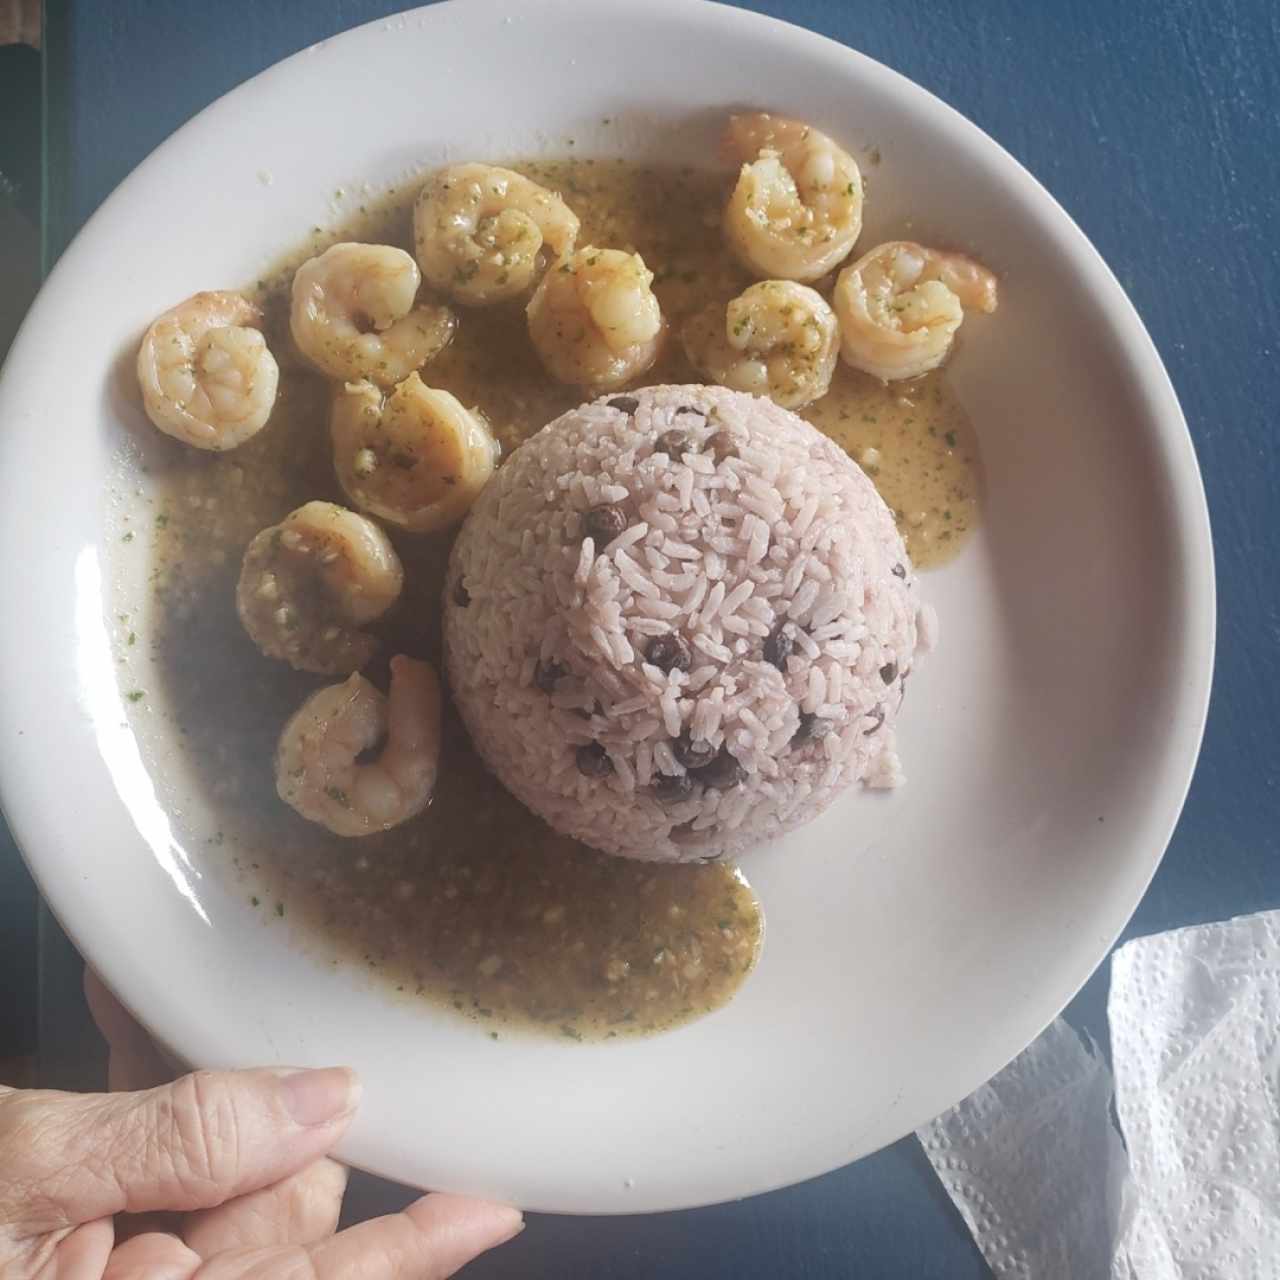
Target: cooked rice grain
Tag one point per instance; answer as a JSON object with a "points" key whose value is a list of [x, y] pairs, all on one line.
{"points": [[720, 552]]}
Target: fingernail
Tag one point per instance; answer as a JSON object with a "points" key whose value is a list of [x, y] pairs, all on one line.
{"points": [[315, 1097], [508, 1231], [513, 1225]]}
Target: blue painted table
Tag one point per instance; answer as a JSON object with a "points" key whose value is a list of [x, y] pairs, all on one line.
{"points": [[1155, 124]]}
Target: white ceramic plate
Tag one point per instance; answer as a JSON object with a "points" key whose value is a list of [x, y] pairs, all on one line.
{"points": [[915, 942]]}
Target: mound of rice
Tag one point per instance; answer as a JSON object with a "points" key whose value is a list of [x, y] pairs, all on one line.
{"points": [[679, 622]]}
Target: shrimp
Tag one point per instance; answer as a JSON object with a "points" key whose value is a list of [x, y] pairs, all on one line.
{"points": [[901, 304], [778, 339], [594, 320], [308, 584], [318, 769], [353, 314], [480, 231], [796, 210], [206, 374], [415, 457]]}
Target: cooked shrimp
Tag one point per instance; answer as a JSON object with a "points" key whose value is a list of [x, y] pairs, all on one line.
{"points": [[308, 584], [778, 339], [415, 457], [481, 232], [594, 319], [796, 210], [317, 762], [207, 377], [901, 304], [353, 314]]}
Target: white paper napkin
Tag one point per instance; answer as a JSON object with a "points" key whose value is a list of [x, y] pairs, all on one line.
{"points": [[1038, 1170]]}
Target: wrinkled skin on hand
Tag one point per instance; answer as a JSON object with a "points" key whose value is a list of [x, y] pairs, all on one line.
{"points": [[210, 1176]]}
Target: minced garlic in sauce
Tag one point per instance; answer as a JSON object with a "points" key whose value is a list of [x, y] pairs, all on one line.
{"points": [[477, 905]]}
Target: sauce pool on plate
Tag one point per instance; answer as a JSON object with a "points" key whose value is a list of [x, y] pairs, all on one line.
{"points": [[477, 906]]}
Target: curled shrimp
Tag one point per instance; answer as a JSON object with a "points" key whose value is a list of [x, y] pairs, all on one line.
{"points": [[206, 374], [353, 314], [415, 457], [778, 339], [594, 319], [901, 304], [310, 583], [796, 210], [480, 232], [317, 762]]}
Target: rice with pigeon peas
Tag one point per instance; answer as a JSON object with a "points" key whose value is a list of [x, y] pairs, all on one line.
{"points": [[680, 621]]}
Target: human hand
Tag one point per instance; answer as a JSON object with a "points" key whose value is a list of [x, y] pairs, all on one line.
{"points": [[238, 1154]]}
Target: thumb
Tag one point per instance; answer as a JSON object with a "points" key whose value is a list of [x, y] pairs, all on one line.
{"points": [[191, 1144]]}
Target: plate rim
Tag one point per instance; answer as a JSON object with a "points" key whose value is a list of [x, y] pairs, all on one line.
{"points": [[1189, 509]]}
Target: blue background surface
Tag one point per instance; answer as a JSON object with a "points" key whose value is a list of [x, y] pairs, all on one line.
{"points": [[1155, 124]]}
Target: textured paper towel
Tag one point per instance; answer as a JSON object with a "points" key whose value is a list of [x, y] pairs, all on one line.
{"points": [[1033, 1163], [1037, 1169], [1195, 1037]]}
